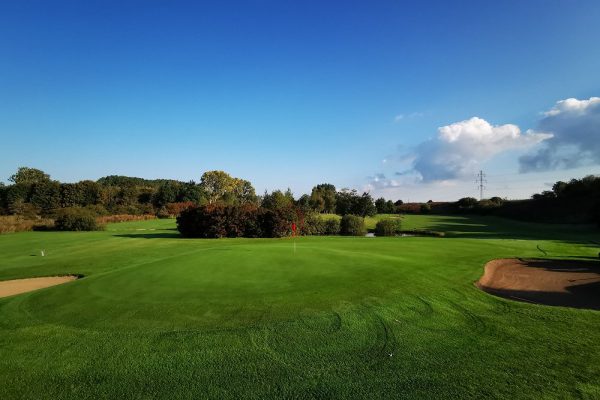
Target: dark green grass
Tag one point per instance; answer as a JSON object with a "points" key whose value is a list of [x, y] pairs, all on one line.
{"points": [[162, 317]]}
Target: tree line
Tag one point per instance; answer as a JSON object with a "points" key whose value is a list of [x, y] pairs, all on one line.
{"points": [[33, 193]]}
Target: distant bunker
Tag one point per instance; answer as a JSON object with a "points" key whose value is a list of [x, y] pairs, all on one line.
{"points": [[18, 286], [567, 283]]}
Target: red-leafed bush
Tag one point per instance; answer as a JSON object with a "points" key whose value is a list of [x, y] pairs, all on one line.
{"points": [[248, 220]]}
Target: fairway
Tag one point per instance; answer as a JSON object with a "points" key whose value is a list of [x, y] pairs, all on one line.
{"points": [[312, 317]]}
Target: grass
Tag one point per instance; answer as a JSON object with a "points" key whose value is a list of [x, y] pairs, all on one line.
{"points": [[370, 222], [340, 317]]}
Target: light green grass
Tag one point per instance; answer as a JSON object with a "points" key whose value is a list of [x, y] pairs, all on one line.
{"points": [[370, 222], [338, 317]]}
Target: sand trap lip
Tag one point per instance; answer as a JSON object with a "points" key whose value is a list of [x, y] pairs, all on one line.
{"points": [[567, 283], [18, 286]]}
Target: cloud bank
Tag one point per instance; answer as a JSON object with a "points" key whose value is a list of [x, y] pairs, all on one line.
{"points": [[575, 126], [460, 148]]}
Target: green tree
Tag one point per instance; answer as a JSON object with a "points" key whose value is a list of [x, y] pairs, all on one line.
{"points": [[166, 193], [277, 200], [345, 201], [303, 203], [220, 186], [324, 195], [364, 206], [390, 207], [46, 196], [381, 206], [29, 176]]}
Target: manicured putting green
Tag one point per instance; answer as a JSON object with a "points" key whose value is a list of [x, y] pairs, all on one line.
{"points": [[157, 316]]}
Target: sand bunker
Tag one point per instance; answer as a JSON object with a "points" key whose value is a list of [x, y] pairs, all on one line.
{"points": [[17, 286], [567, 283]]}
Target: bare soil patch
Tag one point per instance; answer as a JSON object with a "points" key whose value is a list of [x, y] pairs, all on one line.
{"points": [[567, 283], [17, 286]]}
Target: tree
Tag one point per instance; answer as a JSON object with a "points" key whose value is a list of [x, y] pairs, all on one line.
{"points": [[244, 192], [190, 191], [166, 193], [381, 206], [323, 198], [390, 207], [91, 192], [345, 201], [304, 203], [220, 186], [29, 176], [364, 206], [559, 188], [385, 207], [277, 199], [467, 202], [46, 196], [70, 195]]}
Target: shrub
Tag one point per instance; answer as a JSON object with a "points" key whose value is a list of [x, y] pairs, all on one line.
{"points": [[278, 223], [352, 225], [313, 225], [332, 226], [76, 219], [425, 208], [387, 227], [218, 220]]}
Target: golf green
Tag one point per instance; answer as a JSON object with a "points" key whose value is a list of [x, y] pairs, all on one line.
{"points": [[158, 316]]}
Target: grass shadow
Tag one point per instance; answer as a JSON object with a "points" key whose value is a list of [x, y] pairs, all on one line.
{"points": [[487, 227]]}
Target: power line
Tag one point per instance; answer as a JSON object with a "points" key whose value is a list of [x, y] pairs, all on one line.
{"points": [[480, 181]]}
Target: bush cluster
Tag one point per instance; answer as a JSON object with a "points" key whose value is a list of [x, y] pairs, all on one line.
{"points": [[352, 225], [76, 219], [314, 224], [248, 220], [387, 227]]}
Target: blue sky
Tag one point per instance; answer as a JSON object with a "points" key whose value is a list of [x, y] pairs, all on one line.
{"points": [[291, 94]]}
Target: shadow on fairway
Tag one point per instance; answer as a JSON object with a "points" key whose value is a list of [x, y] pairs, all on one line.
{"points": [[478, 227]]}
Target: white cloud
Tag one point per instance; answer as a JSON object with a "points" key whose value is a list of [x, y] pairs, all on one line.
{"points": [[460, 148], [573, 106], [380, 181], [415, 114], [575, 125]]}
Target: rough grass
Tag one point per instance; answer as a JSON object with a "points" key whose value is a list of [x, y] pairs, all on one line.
{"points": [[338, 317], [109, 219], [14, 223]]}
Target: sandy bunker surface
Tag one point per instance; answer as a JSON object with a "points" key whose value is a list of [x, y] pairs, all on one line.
{"points": [[568, 283], [17, 286]]}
